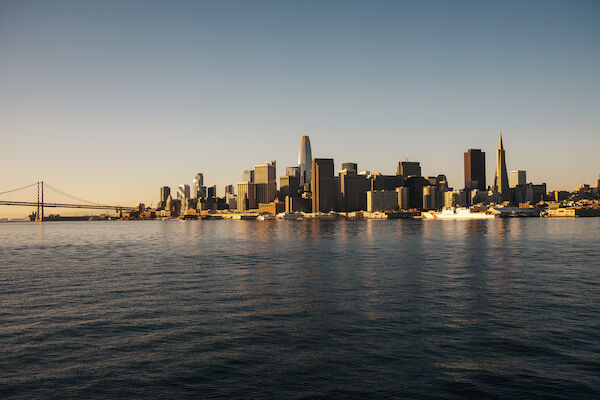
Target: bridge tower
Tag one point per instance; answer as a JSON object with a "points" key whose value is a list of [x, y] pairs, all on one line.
{"points": [[39, 217]]}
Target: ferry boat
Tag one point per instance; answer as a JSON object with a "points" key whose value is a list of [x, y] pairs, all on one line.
{"points": [[457, 213], [265, 217], [290, 216]]}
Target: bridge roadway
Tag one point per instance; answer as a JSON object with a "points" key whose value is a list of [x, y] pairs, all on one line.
{"points": [[61, 205]]}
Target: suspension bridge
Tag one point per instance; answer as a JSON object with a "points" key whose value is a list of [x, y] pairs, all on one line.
{"points": [[40, 204]]}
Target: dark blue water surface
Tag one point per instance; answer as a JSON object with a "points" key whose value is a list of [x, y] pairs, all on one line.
{"points": [[281, 309]]}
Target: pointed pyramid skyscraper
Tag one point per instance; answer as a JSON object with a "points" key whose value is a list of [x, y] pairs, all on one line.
{"points": [[501, 180]]}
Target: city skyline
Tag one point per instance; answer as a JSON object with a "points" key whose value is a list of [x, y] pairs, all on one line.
{"points": [[113, 114]]}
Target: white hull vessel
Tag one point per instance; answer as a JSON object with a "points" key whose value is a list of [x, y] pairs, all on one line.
{"points": [[290, 216], [457, 213]]}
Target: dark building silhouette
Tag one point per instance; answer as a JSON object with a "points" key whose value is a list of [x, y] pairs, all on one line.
{"points": [[475, 169], [288, 186], [409, 168], [165, 192], [353, 192], [322, 185]]}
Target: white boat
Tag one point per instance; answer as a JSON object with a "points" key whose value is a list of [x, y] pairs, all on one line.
{"points": [[457, 213], [265, 217]]}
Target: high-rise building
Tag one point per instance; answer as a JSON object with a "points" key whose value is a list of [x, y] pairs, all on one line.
{"points": [[430, 198], [197, 184], [183, 191], [246, 199], [248, 175], [229, 189], [517, 178], [501, 180], [409, 168], [266, 184], [212, 192], [382, 200], [322, 185], [165, 192], [402, 198], [288, 186], [293, 171], [353, 191], [305, 161], [350, 167], [475, 169]]}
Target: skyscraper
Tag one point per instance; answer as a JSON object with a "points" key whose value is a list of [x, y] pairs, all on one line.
{"points": [[165, 192], [501, 180], [408, 168], [517, 178], [322, 185], [197, 186], [183, 192], [266, 183], [475, 169], [350, 167], [305, 161], [246, 196]]}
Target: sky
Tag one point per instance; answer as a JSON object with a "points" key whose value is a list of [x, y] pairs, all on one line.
{"points": [[111, 100]]}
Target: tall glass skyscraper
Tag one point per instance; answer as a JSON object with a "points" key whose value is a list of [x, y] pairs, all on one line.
{"points": [[304, 160]]}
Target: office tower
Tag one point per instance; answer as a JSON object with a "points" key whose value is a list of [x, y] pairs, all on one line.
{"points": [[429, 198], [408, 168], [229, 189], [350, 167], [246, 199], [212, 192], [197, 184], [293, 171], [353, 191], [475, 169], [501, 180], [322, 185], [402, 198], [382, 200], [415, 186], [288, 186], [305, 161], [517, 178], [165, 192], [248, 175], [266, 184], [386, 182], [183, 191]]}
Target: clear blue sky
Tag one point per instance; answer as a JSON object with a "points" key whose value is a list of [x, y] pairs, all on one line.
{"points": [[111, 100]]}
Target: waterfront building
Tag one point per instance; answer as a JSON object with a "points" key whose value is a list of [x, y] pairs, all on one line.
{"points": [[475, 169], [415, 186], [248, 175], [501, 180], [305, 161], [322, 185], [165, 192], [402, 198], [266, 184], [517, 178], [430, 198], [382, 200], [197, 185], [246, 199], [408, 168], [183, 191], [353, 191], [231, 200]]}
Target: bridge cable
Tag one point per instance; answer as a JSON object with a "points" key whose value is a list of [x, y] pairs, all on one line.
{"points": [[21, 188], [71, 196]]}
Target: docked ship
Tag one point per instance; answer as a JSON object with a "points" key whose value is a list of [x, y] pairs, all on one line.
{"points": [[458, 213]]}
